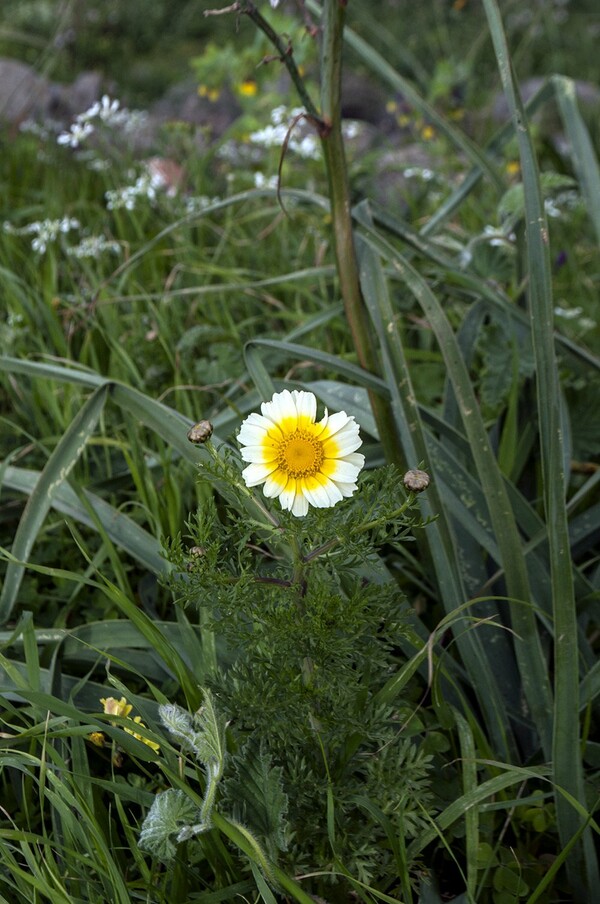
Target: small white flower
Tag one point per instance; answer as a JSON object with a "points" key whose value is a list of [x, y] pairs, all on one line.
{"points": [[78, 132], [274, 3], [262, 181], [568, 313], [551, 208], [300, 460], [94, 246], [44, 231]]}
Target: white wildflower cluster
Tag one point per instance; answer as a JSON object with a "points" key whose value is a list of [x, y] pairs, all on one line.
{"points": [[582, 323], [275, 134], [94, 246], [568, 313], [262, 181], [564, 200], [31, 127], [491, 235], [351, 129], [145, 186], [497, 237], [45, 232], [106, 111], [238, 154], [419, 172], [198, 203]]}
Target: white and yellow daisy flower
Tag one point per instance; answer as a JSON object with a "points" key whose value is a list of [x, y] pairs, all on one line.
{"points": [[297, 458]]}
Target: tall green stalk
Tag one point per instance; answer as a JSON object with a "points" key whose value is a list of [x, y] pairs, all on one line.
{"points": [[566, 753], [329, 127], [339, 196]]}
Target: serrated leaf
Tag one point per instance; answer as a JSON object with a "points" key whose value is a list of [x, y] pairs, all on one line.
{"points": [[512, 203], [256, 794], [502, 355], [171, 814], [204, 733]]}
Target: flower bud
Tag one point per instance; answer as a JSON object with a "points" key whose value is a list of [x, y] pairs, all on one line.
{"points": [[200, 432], [416, 480]]}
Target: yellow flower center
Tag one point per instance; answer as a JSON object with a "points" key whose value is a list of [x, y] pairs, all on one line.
{"points": [[300, 454]]}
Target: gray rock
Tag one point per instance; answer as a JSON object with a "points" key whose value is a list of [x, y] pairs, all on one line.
{"points": [[182, 103], [588, 97], [23, 93]]}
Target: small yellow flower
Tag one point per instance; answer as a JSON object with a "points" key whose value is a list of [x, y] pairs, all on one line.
{"points": [[212, 94], [428, 133], [97, 738], [391, 106], [298, 459], [152, 744], [113, 707], [248, 88], [513, 168]]}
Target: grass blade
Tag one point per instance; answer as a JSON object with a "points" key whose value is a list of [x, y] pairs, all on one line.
{"points": [[566, 753], [527, 646], [584, 158], [61, 462], [121, 529]]}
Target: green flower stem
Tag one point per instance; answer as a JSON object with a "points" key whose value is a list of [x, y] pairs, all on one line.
{"points": [[361, 529], [329, 127], [214, 771], [299, 581], [339, 195], [284, 50]]}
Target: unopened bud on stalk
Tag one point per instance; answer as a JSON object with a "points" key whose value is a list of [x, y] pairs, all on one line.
{"points": [[416, 480], [200, 432]]}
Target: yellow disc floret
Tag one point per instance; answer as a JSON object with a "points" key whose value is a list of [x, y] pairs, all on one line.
{"points": [[300, 454]]}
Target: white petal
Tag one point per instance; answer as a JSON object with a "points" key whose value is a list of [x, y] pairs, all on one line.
{"points": [[251, 436], [262, 453], [336, 421], [257, 473], [275, 484], [321, 426], [339, 469], [356, 458], [256, 420], [300, 506], [255, 429], [288, 494], [346, 489], [321, 492], [316, 495], [306, 404], [344, 442], [280, 407]]}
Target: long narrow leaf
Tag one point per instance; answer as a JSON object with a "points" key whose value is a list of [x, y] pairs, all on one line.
{"points": [[442, 544], [61, 462], [584, 158], [568, 773], [122, 530], [527, 645]]}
